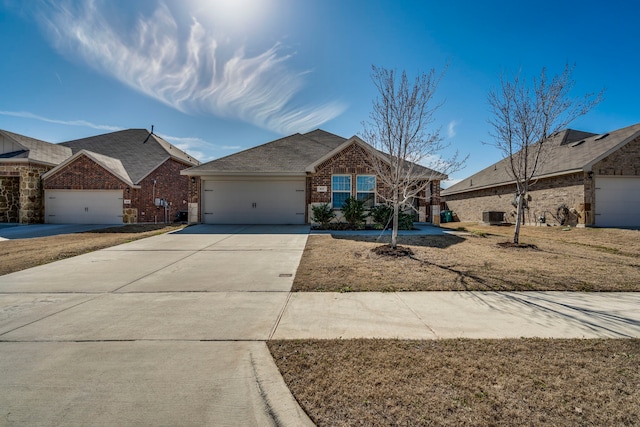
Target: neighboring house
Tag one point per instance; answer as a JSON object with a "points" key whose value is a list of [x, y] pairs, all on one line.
{"points": [[23, 160], [127, 176], [278, 182], [588, 179]]}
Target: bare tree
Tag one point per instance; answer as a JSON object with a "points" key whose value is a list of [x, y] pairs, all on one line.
{"points": [[400, 131], [525, 116]]}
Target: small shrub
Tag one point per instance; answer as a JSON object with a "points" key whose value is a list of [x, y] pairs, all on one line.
{"points": [[354, 212], [382, 214], [323, 214], [405, 221]]}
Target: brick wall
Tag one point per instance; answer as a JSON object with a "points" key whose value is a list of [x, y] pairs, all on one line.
{"points": [[353, 161], [165, 182], [625, 161], [170, 186], [546, 196], [27, 195]]}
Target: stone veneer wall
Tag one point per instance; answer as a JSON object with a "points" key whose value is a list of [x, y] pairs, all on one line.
{"points": [[9, 198], [547, 195], [29, 196]]}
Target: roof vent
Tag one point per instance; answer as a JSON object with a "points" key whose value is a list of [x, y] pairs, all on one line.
{"points": [[601, 137], [577, 143]]}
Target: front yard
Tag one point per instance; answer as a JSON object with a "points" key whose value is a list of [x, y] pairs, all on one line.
{"points": [[586, 259], [455, 382]]}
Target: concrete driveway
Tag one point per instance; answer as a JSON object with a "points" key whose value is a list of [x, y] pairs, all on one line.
{"points": [[168, 330]]}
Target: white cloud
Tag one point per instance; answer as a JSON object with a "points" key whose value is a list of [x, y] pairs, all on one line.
{"points": [[451, 128], [83, 123], [185, 67]]}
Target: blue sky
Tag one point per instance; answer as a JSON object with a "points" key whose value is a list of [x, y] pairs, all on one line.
{"points": [[216, 77]]}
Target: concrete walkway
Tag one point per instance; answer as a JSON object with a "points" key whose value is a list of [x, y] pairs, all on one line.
{"points": [[171, 330], [432, 315]]}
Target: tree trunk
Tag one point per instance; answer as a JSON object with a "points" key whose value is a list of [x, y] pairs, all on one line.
{"points": [[519, 216], [394, 230]]}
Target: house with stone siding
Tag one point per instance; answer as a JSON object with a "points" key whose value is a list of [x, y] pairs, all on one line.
{"points": [[280, 181], [587, 180], [23, 160], [127, 176]]}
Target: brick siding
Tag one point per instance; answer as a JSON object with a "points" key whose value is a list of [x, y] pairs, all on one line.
{"points": [[353, 160], [547, 196], [576, 191], [85, 174]]}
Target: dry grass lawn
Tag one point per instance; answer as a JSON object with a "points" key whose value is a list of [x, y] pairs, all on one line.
{"points": [[527, 382], [587, 259], [20, 254]]}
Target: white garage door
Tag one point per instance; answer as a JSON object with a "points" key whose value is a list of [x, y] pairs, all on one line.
{"points": [[617, 202], [254, 202], [83, 206]]}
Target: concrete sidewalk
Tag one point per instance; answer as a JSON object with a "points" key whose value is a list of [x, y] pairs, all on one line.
{"points": [[433, 315]]}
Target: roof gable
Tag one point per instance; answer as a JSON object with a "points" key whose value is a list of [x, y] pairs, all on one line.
{"points": [[110, 164], [13, 145], [139, 151], [570, 151]]}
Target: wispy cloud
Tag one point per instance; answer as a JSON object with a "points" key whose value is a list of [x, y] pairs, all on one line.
{"points": [[83, 123], [451, 128], [185, 67]]}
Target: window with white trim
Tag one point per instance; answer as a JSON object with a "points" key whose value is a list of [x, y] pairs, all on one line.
{"points": [[340, 190], [366, 189]]}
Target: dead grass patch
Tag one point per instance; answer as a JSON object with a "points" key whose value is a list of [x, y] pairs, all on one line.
{"points": [[576, 260], [464, 382], [21, 254]]}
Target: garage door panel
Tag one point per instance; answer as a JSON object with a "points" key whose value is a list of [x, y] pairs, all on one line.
{"points": [[617, 202], [83, 206], [254, 202]]}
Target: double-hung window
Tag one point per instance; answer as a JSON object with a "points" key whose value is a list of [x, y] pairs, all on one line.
{"points": [[340, 189], [366, 189]]}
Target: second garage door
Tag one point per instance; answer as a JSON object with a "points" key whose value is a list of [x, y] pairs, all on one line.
{"points": [[254, 202], [83, 206], [617, 202]]}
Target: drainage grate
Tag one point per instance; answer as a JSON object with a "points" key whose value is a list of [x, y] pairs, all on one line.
{"points": [[285, 275]]}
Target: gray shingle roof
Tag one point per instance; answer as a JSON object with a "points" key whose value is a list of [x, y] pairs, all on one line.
{"points": [[33, 149], [139, 152], [570, 151], [289, 155]]}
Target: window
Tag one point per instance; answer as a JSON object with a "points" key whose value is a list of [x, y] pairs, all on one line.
{"points": [[366, 189], [340, 189]]}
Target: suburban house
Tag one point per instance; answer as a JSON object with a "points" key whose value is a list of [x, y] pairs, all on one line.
{"points": [[587, 180], [278, 182], [126, 176], [23, 160]]}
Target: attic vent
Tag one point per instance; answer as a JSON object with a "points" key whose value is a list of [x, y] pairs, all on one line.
{"points": [[577, 143], [601, 137]]}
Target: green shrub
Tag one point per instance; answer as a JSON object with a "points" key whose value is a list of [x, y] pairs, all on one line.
{"points": [[354, 212], [405, 221], [323, 214], [382, 214]]}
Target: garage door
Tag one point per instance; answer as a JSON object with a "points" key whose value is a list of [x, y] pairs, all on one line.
{"points": [[83, 206], [254, 202], [617, 202]]}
